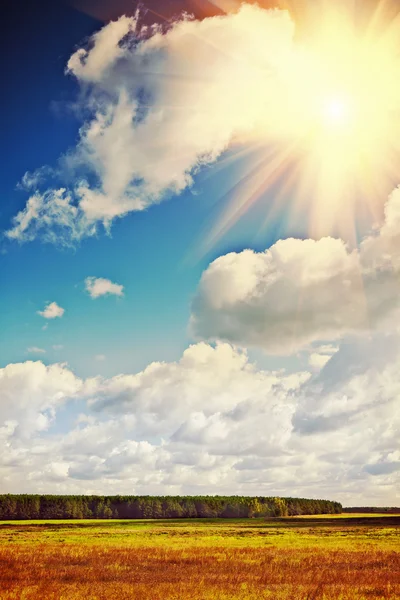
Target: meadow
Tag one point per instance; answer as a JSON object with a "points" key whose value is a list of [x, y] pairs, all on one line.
{"points": [[340, 557]]}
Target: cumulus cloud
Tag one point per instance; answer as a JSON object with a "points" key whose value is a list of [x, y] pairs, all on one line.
{"points": [[51, 311], [30, 393], [163, 103], [352, 407], [302, 291], [210, 422], [175, 399], [98, 286]]}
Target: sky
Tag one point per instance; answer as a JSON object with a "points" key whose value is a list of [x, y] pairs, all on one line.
{"points": [[200, 249]]}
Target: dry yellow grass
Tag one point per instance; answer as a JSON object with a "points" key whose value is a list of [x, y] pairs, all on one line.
{"points": [[342, 559]]}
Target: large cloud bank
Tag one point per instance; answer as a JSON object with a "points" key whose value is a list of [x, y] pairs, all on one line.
{"points": [[301, 291], [211, 422], [161, 105]]}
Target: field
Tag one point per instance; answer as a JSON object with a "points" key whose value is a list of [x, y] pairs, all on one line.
{"points": [[343, 557]]}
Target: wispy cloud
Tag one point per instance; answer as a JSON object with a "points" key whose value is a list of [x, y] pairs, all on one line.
{"points": [[35, 350], [54, 216]]}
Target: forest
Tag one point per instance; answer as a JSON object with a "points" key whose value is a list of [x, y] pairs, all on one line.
{"points": [[28, 506]]}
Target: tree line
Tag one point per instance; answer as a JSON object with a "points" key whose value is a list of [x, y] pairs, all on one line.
{"points": [[28, 506]]}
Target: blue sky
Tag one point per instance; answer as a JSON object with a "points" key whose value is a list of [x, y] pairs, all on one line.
{"points": [[231, 344], [156, 255]]}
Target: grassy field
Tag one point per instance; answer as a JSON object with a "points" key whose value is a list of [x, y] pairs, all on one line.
{"points": [[343, 557]]}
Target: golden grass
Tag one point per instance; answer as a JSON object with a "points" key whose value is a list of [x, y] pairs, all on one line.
{"points": [[311, 559]]}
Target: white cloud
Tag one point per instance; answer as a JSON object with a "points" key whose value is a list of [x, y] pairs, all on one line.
{"points": [[30, 392], [54, 217], [159, 110], [210, 422], [302, 291], [35, 350], [100, 357], [98, 286], [317, 361], [322, 354], [350, 413], [57, 347], [328, 349], [30, 181], [92, 65], [51, 311], [205, 383]]}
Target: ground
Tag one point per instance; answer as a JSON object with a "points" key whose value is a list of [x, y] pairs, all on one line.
{"points": [[343, 557]]}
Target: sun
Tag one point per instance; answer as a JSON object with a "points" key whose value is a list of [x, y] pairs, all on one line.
{"points": [[346, 82], [336, 111], [332, 126]]}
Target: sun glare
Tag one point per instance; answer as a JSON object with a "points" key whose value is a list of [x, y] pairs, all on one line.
{"points": [[336, 111], [350, 79], [334, 125]]}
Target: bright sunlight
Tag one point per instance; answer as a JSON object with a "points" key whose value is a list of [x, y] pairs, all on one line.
{"points": [[344, 84], [334, 124], [336, 112]]}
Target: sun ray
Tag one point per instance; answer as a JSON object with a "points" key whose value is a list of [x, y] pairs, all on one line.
{"points": [[333, 119], [340, 109], [248, 191]]}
